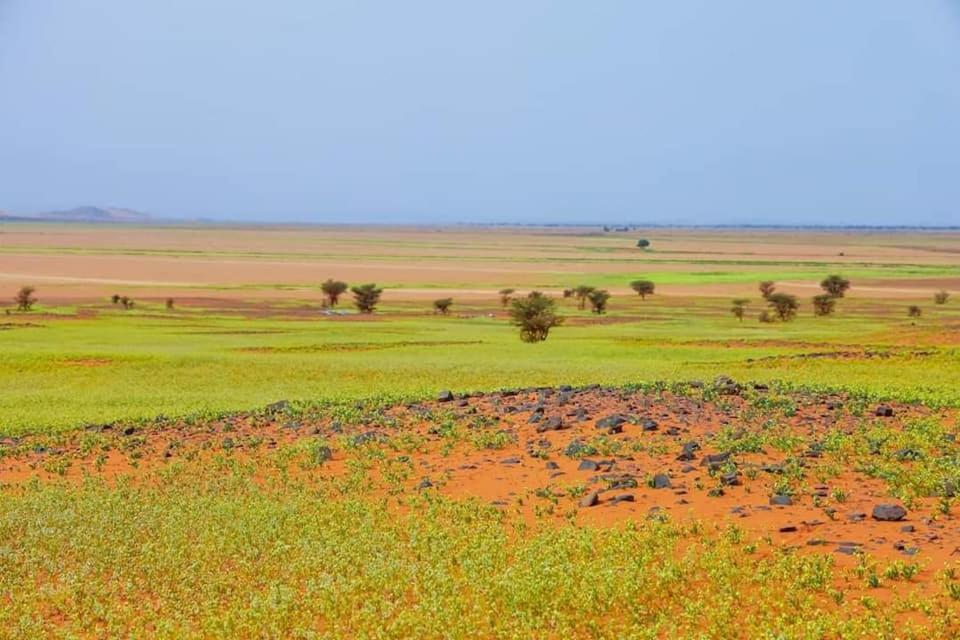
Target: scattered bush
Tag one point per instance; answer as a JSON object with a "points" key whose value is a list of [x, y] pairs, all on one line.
{"points": [[25, 298], [598, 300], [767, 287], [643, 243], [643, 288], [126, 303], [835, 285], [366, 297], [535, 315], [506, 295], [941, 297], [739, 308], [333, 289], [115, 298], [170, 303], [765, 317], [914, 311], [582, 293], [824, 304], [784, 305], [442, 305]]}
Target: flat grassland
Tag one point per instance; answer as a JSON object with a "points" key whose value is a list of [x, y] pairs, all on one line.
{"points": [[145, 490]]}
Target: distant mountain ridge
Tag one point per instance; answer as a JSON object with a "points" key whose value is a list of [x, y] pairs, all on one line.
{"points": [[82, 214]]}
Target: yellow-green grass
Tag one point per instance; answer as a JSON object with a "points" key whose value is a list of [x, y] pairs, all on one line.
{"points": [[65, 371], [203, 551]]}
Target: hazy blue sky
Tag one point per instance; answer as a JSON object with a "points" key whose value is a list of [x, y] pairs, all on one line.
{"points": [[804, 111]]}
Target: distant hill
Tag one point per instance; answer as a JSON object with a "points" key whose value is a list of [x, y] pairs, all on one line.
{"points": [[83, 214]]}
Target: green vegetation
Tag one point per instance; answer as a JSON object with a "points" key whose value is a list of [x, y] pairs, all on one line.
{"points": [[535, 315], [366, 297]]}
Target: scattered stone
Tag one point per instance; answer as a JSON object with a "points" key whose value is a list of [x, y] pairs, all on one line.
{"points": [[889, 512], [445, 396], [649, 425], [623, 497], [552, 465], [883, 411], [424, 484], [788, 529], [588, 465], [591, 499], [660, 481], [781, 500]]}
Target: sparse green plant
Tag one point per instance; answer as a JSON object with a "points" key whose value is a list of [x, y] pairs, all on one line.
{"points": [[442, 305], [536, 315], [835, 286], [333, 289], [366, 297], [643, 288], [25, 298], [598, 300]]}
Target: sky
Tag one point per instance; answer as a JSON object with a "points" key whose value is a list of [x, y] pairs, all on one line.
{"points": [[523, 111]]}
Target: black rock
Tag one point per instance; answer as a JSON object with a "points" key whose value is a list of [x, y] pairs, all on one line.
{"points": [[688, 452], [730, 479], [424, 484], [781, 500], [278, 407], [649, 425], [552, 465], [884, 411], [613, 424], [445, 396], [588, 465], [623, 497], [591, 499], [889, 512], [714, 459], [660, 481]]}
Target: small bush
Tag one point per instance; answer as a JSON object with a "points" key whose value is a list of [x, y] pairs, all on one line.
{"points": [[598, 300], [582, 293], [442, 305], [333, 289], [824, 304], [643, 243], [506, 295], [643, 288], [941, 297], [25, 298], [739, 308], [767, 287], [535, 315], [914, 311], [784, 305], [835, 285], [366, 297]]}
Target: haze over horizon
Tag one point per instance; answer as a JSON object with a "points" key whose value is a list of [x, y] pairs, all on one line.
{"points": [[689, 112]]}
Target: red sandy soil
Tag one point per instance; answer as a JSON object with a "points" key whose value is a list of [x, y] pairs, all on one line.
{"points": [[532, 473]]}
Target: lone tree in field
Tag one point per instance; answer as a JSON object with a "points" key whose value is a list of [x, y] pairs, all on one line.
{"points": [[739, 308], [824, 304], [170, 304], [941, 297], [115, 298], [582, 292], [506, 295], [442, 305], [333, 289], [643, 288], [784, 305], [914, 311], [835, 286], [535, 315], [25, 298], [568, 293], [767, 287], [126, 303], [643, 243], [366, 297], [598, 301]]}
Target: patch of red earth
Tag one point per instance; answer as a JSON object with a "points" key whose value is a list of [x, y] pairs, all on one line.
{"points": [[530, 475]]}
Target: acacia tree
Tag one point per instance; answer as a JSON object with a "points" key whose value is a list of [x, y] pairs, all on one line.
{"points": [[824, 304], [941, 297], [835, 285], [739, 308], [366, 297], [914, 311], [767, 288], [643, 288], [442, 305], [784, 305], [126, 303], [333, 289], [115, 298], [581, 293], [535, 314], [25, 298], [598, 300], [643, 243], [506, 295], [170, 303]]}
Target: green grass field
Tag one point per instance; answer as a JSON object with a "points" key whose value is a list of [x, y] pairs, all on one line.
{"points": [[60, 371]]}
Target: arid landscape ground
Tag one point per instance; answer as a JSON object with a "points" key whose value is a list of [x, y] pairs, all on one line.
{"points": [[245, 462]]}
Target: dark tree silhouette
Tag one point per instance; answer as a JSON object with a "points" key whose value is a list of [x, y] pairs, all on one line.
{"points": [[739, 308], [442, 305], [506, 295], [824, 304], [582, 292], [643, 243], [784, 305], [767, 287]]}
